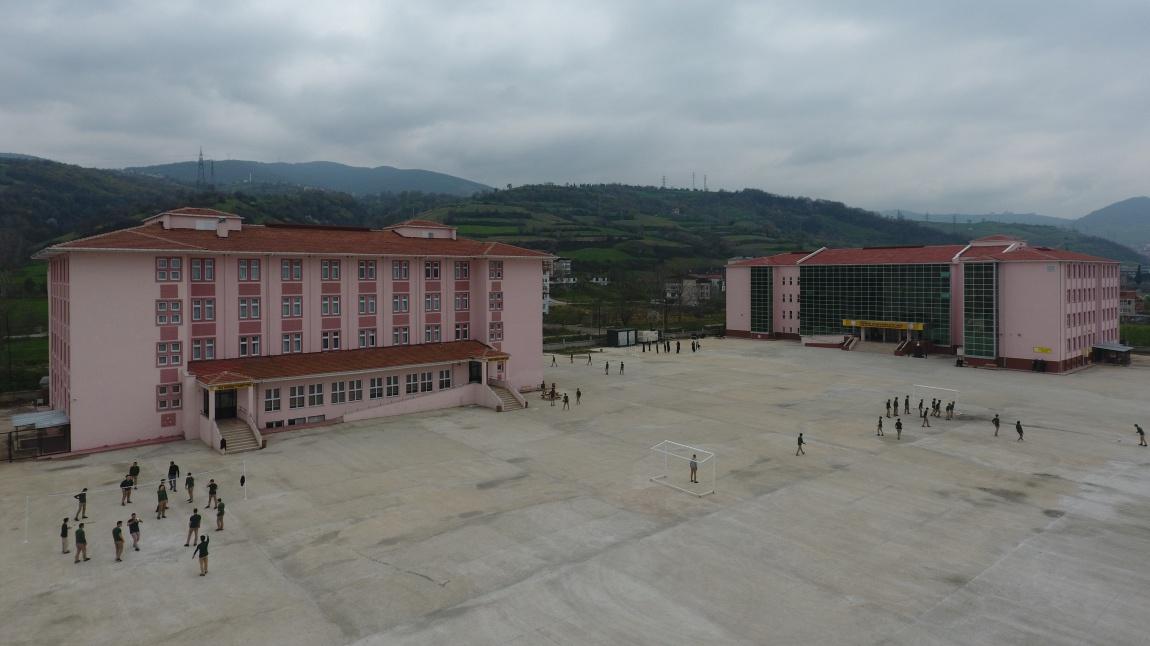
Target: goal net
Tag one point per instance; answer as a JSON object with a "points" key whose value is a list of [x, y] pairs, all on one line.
{"points": [[675, 467], [928, 393]]}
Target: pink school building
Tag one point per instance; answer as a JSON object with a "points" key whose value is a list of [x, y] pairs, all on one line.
{"points": [[194, 324], [997, 301]]}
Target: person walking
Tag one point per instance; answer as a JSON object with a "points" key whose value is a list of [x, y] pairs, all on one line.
{"points": [[212, 489], [566, 402], [878, 431], [553, 364], [81, 504], [607, 368], [578, 396], [694, 468], [620, 367], [220, 515], [126, 490], [572, 357], [161, 502], [920, 406], [657, 344], [118, 539], [193, 527], [925, 419], [677, 347], [134, 531], [64, 537], [551, 396], [898, 429], [224, 445], [81, 544], [173, 474], [134, 473], [996, 422], [1018, 429], [800, 450], [201, 552], [906, 405], [588, 358], [190, 485], [1141, 435]]}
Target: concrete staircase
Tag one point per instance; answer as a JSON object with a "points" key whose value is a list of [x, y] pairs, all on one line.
{"points": [[239, 436], [505, 396]]}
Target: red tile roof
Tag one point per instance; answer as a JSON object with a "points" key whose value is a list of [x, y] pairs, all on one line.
{"points": [[787, 258], [290, 240], [936, 254], [426, 224], [886, 255], [1028, 254], [283, 366]]}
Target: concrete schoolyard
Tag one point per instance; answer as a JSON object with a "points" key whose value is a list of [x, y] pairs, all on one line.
{"points": [[541, 526]]}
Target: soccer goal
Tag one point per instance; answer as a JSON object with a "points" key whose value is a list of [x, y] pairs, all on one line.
{"points": [[927, 393], [678, 458]]}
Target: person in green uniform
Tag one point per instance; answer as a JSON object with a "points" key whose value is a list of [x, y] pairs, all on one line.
{"points": [[201, 552], [193, 527], [64, 537], [220, 515], [212, 489], [126, 490], [81, 504], [118, 539], [898, 429], [134, 531], [190, 485], [161, 501], [81, 544], [134, 471]]}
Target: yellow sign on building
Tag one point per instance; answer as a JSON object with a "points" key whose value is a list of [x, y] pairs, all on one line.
{"points": [[1042, 349], [889, 325]]}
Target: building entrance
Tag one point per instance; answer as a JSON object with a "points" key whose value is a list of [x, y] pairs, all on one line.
{"points": [[225, 404]]}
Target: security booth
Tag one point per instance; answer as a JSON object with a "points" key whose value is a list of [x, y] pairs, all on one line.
{"points": [[1112, 353], [621, 337]]}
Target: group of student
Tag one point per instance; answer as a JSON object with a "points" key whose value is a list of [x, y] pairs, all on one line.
{"points": [[127, 485], [553, 395], [666, 345]]}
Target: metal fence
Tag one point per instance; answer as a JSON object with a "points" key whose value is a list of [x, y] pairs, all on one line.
{"points": [[35, 442]]}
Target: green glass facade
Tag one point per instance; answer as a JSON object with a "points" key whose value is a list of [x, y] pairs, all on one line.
{"points": [[902, 293], [761, 303], [980, 309]]}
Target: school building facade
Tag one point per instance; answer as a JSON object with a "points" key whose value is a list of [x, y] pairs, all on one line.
{"points": [[194, 324], [997, 301]]}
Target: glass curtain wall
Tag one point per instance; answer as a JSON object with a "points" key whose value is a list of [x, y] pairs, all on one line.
{"points": [[980, 309], [761, 303], [899, 293]]}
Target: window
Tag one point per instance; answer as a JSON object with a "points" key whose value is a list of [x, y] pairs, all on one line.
{"points": [[393, 386], [250, 346], [168, 397], [168, 313], [291, 270], [291, 307], [168, 270], [367, 338], [462, 331], [495, 301], [248, 270], [375, 388], [203, 270], [315, 395], [338, 392], [431, 302], [367, 270], [329, 305], [168, 354], [399, 303], [431, 270], [495, 331], [462, 270], [295, 397], [444, 379], [412, 384], [425, 383], [495, 270], [399, 269], [275, 424], [329, 270], [367, 304], [355, 390], [292, 343], [329, 341], [249, 308], [399, 336], [204, 309], [431, 334], [203, 349], [271, 400], [462, 301]]}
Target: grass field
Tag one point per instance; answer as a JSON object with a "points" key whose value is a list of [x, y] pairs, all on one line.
{"points": [[1136, 335], [29, 361], [26, 315]]}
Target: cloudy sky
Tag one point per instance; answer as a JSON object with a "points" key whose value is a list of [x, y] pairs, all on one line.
{"points": [[969, 106]]}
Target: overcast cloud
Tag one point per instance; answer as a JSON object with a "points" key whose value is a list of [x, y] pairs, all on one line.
{"points": [[970, 106]]}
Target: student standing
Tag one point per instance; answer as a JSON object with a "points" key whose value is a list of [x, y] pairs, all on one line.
{"points": [[898, 429], [578, 396], [1141, 435], [126, 490], [81, 544], [694, 468], [888, 408], [81, 504], [193, 527], [920, 406], [173, 474], [925, 419], [878, 431], [588, 358], [906, 405], [134, 531], [677, 348], [607, 368], [118, 539], [620, 367], [134, 472], [220, 515], [996, 422], [553, 361], [800, 450], [64, 537], [190, 485], [1018, 429], [201, 552], [212, 488], [566, 402], [161, 502]]}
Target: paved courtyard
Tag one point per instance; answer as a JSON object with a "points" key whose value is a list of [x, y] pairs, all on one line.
{"points": [[541, 526]]}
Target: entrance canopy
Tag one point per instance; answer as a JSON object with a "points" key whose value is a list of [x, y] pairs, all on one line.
{"points": [[43, 419], [887, 325]]}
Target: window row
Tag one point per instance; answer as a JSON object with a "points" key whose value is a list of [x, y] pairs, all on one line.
{"points": [[352, 390], [168, 397], [169, 269]]}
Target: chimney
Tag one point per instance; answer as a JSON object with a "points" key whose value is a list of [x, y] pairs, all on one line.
{"points": [[221, 227]]}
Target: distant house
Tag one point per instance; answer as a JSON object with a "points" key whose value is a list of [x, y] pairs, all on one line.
{"points": [[602, 281], [694, 289], [1128, 302]]}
